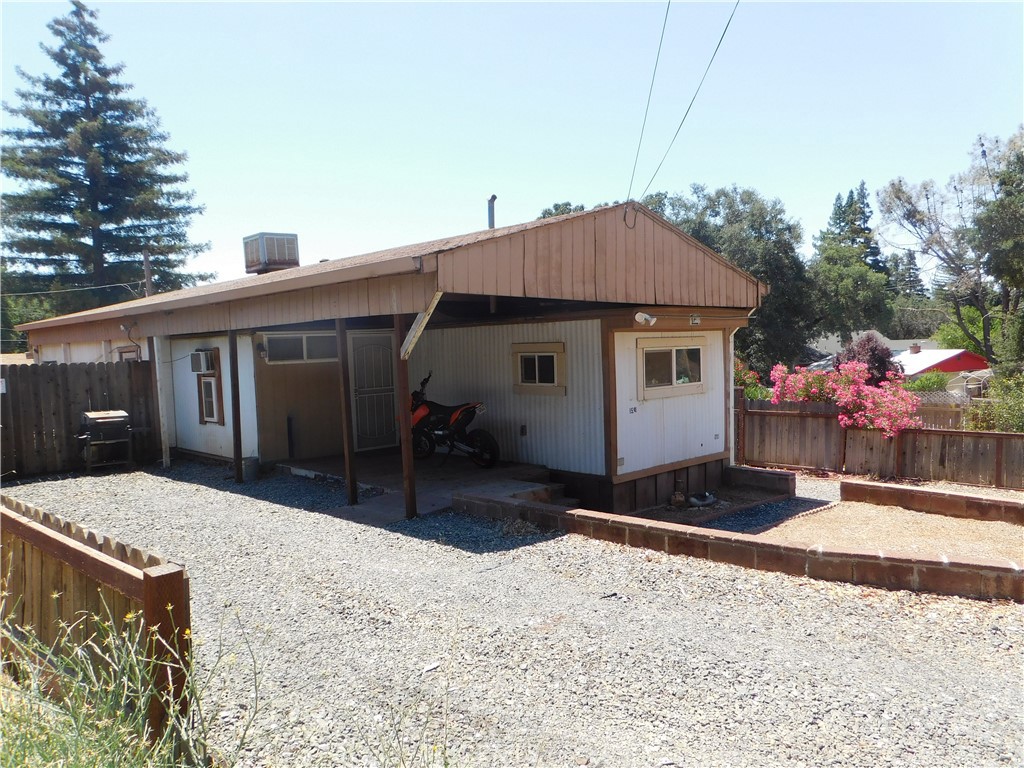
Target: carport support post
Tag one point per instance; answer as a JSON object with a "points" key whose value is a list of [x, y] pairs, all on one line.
{"points": [[341, 331], [404, 418], [236, 405]]}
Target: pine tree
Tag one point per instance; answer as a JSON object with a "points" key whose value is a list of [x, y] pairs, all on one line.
{"points": [[904, 274], [850, 225], [848, 270], [95, 186]]}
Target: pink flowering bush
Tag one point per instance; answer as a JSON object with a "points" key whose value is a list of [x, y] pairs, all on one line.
{"points": [[888, 407], [802, 385]]}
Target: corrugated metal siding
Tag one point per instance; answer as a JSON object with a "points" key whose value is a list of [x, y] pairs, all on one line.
{"points": [[213, 439], [477, 364], [664, 430]]}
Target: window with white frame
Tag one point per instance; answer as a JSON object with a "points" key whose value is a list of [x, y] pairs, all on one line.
{"points": [[667, 367], [210, 391], [209, 403], [301, 347], [539, 368]]}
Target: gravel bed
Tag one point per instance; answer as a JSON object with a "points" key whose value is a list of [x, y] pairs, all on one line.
{"points": [[552, 650]]}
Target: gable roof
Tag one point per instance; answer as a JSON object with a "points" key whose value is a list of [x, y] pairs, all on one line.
{"points": [[622, 253], [945, 360]]}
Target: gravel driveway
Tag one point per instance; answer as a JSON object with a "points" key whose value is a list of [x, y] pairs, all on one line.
{"points": [[555, 650]]}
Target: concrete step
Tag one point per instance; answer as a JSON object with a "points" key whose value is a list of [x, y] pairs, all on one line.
{"points": [[565, 501], [544, 493]]}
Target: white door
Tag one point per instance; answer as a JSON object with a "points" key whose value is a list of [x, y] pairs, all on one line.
{"points": [[372, 363]]}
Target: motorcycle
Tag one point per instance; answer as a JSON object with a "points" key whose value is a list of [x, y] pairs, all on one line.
{"points": [[436, 425]]}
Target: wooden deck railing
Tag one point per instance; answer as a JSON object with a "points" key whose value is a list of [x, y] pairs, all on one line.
{"points": [[55, 573]]}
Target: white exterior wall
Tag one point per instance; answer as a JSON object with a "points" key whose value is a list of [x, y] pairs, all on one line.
{"points": [[213, 439], [469, 364], [669, 429], [87, 351]]}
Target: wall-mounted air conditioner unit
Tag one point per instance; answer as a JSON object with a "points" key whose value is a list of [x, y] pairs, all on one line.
{"points": [[202, 361]]}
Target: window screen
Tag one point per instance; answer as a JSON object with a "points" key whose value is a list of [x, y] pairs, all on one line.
{"points": [[283, 348]]}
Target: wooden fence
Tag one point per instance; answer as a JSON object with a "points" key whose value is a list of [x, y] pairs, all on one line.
{"points": [[808, 435], [41, 410], [54, 572]]}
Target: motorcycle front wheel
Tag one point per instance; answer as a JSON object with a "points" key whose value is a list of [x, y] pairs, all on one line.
{"points": [[423, 444], [483, 448]]}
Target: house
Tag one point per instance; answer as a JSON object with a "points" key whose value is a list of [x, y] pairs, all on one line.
{"points": [[601, 342], [917, 361], [832, 343]]}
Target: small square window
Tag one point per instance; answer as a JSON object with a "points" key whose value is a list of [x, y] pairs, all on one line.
{"points": [[537, 369], [667, 367], [540, 368], [321, 348]]}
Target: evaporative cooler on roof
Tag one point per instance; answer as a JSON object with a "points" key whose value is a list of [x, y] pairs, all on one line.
{"points": [[270, 251]]}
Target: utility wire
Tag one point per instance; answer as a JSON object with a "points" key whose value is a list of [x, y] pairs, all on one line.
{"points": [[647, 109], [127, 286], [701, 83]]}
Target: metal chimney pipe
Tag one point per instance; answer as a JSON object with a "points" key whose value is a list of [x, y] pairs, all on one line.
{"points": [[490, 211]]}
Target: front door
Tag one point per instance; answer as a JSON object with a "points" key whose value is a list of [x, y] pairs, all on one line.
{"points": [[372, 360]]}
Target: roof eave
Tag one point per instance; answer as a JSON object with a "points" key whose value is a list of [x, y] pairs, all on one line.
{"points": [[138, 307]]}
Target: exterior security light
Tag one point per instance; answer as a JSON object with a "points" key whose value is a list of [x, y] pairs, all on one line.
{"points": [[644, 319]]}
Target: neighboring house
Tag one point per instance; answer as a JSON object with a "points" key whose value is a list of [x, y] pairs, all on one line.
{"points": [[917, 361], [601, 342], [16, 358], [831, 344]]}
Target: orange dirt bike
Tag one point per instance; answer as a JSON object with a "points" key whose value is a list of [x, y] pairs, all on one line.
{"points": [[436, 425]]}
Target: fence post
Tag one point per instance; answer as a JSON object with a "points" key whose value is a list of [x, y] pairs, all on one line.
{"points": [[165, 610], [740, 398], [897, 446], [999, 464]]}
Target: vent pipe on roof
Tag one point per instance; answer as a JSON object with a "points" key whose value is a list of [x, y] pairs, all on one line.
{"points": [[490, 211]]}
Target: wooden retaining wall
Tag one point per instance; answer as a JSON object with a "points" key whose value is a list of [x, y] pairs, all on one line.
{"points": [[55, 573], [986, 579], [41, 412], [808, 436]]}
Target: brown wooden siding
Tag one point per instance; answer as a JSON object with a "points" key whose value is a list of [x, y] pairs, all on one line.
{"points": [[599, 257], [309, 395]]}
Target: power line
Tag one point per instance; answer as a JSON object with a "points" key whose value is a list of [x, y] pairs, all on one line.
{"points": [[647, 109], [701, 83], [127, 286]]}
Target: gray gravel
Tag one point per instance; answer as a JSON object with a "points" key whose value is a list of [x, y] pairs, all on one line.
{"points": [[553, 650]]}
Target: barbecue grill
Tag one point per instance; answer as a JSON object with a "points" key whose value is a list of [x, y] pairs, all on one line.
{"points": [[106, 439]]}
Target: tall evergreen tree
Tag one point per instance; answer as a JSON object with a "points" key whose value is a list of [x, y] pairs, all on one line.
{"points": [[904, 274], [849, 272], [850, 225], [95, 186]]}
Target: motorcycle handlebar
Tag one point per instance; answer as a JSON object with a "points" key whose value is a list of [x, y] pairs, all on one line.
{"points": [[423, 384]]}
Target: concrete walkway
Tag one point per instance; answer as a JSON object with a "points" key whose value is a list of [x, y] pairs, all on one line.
{"points": [[437, 479]]}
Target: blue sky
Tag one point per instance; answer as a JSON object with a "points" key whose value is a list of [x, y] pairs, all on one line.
{"points": [[366, 126]]}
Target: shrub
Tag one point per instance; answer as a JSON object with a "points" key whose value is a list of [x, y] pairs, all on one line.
{"points": [[753, 389], [803, 385], [887, 407], [934, 381], [1002, 410], [870, 350]]}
